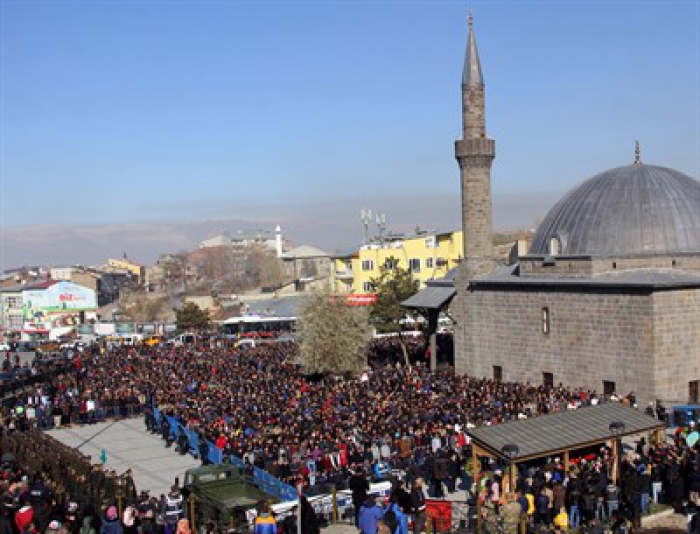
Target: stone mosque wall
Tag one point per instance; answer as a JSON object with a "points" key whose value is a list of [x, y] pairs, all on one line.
{"points": [[676, 343], [592, 337], [642, 341], [586, 266]]}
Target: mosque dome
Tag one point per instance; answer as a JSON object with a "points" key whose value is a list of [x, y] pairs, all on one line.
{"points": [[634, 210]]}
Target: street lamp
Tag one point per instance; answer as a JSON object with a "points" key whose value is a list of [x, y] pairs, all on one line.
{"points": [[510, 451], [616, 428]]}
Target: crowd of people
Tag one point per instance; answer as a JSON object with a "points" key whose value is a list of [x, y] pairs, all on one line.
{"points": [[387, 350], [596, 491], [259, 405], [47, 487]]}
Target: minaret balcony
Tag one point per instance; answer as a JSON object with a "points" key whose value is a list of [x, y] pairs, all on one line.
{"points": [[480, 146]]}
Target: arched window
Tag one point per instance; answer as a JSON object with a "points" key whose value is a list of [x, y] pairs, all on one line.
{"points": [[554, 246]]}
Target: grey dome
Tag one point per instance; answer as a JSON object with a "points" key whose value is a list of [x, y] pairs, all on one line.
{"points": [[632, 210]]}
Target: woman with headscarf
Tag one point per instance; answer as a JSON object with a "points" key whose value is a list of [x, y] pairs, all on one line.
{"points": [[111, 524], [130, 520]]}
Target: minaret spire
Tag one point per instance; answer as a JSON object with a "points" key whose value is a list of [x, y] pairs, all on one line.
{"points": [[475, 153], [472, 75]]}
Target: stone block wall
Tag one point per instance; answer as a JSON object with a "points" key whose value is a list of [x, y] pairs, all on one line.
{"points": [[586, 266], [676, 343], [593, 336]]}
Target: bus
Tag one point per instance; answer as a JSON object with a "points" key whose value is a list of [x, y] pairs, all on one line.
{"points": [[258, 327]]}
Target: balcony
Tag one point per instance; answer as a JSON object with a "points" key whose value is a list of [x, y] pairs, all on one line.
{"points": [[344, 274]]}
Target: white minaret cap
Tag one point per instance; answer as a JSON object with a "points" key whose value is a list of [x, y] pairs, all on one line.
{"points": [[278, 241]]}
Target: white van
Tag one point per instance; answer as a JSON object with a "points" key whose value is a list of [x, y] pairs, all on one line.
{"points": [[185, 339]]}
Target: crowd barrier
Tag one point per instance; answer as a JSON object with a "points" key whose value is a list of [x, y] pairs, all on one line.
{"points": [[261, 478], [327, 504], [443, 516]]}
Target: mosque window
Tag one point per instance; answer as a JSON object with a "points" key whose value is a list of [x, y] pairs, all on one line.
{"points": [[554, 246], [545, 321], [673, 263]]}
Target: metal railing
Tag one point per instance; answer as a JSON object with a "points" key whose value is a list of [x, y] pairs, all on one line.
{"points": [[261, 478]]}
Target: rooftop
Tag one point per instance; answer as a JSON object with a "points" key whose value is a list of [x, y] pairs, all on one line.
{"points": [[304, 251], [562, 431], [631, 279], [638, 209]]}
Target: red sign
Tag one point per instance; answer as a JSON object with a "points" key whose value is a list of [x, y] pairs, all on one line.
{"points": [[70, 297], [360, 299]]}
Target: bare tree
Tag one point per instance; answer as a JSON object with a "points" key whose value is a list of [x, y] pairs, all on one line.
{"points": [[333, 336], [268, 268]]}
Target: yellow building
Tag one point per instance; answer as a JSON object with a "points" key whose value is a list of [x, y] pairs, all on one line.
{"points": [[125, 265], [428, 255]]}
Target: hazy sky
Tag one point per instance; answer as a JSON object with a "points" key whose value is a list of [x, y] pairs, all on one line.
{"points": [[175, 111]]}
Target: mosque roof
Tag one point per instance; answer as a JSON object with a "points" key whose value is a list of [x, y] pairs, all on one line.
{"points": [[633, 210]]}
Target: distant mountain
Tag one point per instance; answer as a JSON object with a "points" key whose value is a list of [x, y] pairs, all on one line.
{"points": [[330, 226]]}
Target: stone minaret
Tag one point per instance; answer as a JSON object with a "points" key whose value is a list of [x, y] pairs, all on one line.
{"points": [[475, 153]]}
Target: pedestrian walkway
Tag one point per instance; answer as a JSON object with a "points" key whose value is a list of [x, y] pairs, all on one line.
{"points": [[341, 528], [127, 445]]}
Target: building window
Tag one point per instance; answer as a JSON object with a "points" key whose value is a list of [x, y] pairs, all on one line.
{"points": [[545, 321], [429, 263], [391, 263], [13, 302], [414, 265], [497, 372], [430, 242], [367, 265], [608, 387], [15, 322], [367, 287], [673, 263], [548, 380], [554, 246], [693, 391]]}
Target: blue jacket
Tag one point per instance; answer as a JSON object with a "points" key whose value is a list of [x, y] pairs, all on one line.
{"points": [[265, 524], [369, 517], [401, 518], [111, 527]]}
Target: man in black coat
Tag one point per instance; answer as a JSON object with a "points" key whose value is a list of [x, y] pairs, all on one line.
{"points": [[360, 488]]}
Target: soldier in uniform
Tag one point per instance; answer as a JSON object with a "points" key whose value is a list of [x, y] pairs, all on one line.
{"points": [[110, 486], [129, 486]]}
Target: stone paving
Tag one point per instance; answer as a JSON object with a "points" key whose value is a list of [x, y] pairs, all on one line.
{"points": [[128, 445]]}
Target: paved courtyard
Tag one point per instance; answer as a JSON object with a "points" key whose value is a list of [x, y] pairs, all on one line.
{"points": [[128, 445]]}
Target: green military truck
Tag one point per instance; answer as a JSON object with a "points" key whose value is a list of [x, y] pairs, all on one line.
{"points": [[221, 494]]}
